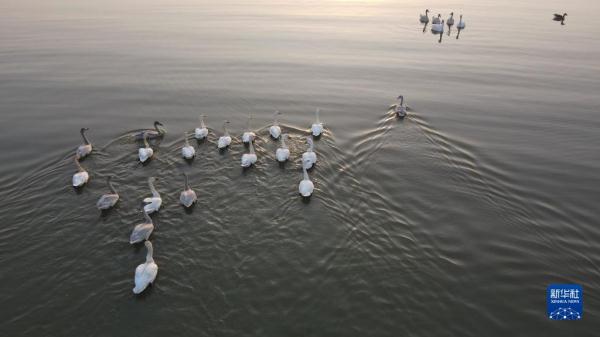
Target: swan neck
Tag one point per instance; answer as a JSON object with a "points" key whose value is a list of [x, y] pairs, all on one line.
{"points": [[310, 145], [317, 115], [146, 140], [251, 148], [187, 183], [154, 191], [78, 164], [149, 253], [202, 125], [305, 173], [110, 185], [147, 217], [85, 139], [283, 142], [225, 132], [187, 143]]}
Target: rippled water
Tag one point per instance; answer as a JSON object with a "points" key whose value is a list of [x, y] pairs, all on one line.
{"points": [[450, 222]]}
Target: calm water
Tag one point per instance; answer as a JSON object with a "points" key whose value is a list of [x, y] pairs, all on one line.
{"points": [[451, 222]]}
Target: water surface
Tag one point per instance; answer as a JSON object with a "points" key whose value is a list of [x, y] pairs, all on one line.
{"points": [[450, 222]]}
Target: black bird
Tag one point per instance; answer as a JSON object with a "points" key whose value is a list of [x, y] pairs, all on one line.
{"points": [[558, 17]]}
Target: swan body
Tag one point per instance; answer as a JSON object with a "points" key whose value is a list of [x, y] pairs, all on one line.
{"points": [[309, 158], [188, 196], [438, 27], [108, 200], [400, 109], [275, 129], [146, 272], [225, 139], [317, 127], [461, 23], [202, 131], [248, 136], [146, 152], [81, 177], [86, 148], [306, 187], [450, 20], [436, 19], [248, 159], [153, 203], [142, 231], [187, 151], [425, 18], [157, 132], [283, 153]]}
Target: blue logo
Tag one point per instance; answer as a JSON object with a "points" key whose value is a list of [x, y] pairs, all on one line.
{"points": [[564, 302]]}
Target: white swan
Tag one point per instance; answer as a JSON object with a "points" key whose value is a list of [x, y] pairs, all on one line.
{"points": [[225, 139], [248, 136], [425, 18], [450, 20], [249, 158], [306, 186], [202, 131], [86, 148], [145, 152], [146, 272], [142, 231], [317, 127], [81, 177], [275, 130], [283, 153], [400, 109], [188, 196], [187, 151], [309, 158], [438, 27], [461, 23], [153, 203], [436, 19], [157, 132], [108, 200]]}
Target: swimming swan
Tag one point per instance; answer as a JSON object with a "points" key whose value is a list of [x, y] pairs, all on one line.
{"points": [[317, 127], [283, 153], [153, 203], [461, 23], [309, 158], [86, 148], [248, 136], [225, 139], [436, 19], [188, 196], [145, 152], [187, 151], [450, 20], [400, 109], [438, 27], [146, 272], [81, 177], [249, 158], [425, 18], [157, 132], [142, 231], [202, 131], [275, 130], [306, 186], [108, 200]]}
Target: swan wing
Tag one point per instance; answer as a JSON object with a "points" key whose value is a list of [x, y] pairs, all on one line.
{"points": [[187, 198], [107, 201], [306, 188], [145, 274], [141, 232]]}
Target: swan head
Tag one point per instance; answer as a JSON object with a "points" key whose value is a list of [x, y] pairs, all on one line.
{"points": [[85, 129], [426, 11], [564, 14]]}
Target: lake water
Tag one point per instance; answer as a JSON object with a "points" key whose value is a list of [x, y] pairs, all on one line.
{"points": [[452, 221]]}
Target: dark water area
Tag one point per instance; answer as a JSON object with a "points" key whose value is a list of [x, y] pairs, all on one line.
{"points": [[452, 221]]}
